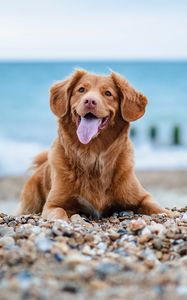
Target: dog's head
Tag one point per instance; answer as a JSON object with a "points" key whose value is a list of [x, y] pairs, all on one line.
{"points": [[93, 102]]}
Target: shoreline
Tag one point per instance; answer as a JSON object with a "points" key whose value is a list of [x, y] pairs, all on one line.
{"points": [[168, 188]]}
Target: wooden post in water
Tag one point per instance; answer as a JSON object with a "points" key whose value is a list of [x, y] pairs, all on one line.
{"points": [[133, 132], [153, 133], [176, 135]]}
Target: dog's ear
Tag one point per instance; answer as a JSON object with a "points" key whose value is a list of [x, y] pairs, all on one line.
{"points": [[60, 93], [133, 103]]}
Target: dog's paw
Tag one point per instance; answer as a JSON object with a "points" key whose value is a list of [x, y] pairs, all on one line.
{"points": [[54, 214]]}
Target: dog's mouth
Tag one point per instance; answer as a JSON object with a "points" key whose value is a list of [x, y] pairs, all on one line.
{"points": [[89, 125]]}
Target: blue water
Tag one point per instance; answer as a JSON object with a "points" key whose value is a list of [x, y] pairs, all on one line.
{"points": [[24, 97], [24, 94]]}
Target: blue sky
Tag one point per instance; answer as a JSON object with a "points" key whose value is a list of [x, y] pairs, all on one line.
{"points": [[99, 29]]}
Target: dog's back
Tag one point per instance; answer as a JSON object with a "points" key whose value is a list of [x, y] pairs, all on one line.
{"points": [[37, 187]]}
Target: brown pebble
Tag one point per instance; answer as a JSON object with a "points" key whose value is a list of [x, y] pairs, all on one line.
{"points": [[144, 239], [114, 220], [136, 225], [114, 236], [31, 221]]}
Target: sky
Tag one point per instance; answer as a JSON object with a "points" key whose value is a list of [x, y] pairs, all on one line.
{"points": [[93, 29]]}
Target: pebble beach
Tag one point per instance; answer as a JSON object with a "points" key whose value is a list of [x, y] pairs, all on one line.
{"points": [[126, 256]]}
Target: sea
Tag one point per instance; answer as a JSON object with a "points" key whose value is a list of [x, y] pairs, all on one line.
{"points": [[27, 125]]}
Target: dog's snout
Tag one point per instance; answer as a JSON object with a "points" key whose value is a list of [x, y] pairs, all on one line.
{"points": [[90, 103]]}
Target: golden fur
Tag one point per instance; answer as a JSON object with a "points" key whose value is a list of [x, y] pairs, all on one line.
{"points": [[98, 177]]}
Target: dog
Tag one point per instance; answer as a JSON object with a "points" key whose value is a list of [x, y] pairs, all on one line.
{"points": [[89, 168]]}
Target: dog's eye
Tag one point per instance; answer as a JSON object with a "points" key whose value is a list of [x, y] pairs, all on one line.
{"points": [[108, 93], [81, 89]]}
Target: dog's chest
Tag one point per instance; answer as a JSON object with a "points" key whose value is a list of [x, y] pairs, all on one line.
{"points": [[91, 178], [93, 187], [94, 175]]}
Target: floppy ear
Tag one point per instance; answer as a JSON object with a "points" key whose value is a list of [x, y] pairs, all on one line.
{"points": [[60, 94], [133, 103]]}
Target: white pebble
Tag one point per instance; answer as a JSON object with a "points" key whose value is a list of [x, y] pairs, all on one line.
{"points": [[156, 228], [146, 231], [184, 217], [43, 243], [182, 290]]}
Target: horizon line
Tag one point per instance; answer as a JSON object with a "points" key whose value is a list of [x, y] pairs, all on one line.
{"points": [[92, 60]]}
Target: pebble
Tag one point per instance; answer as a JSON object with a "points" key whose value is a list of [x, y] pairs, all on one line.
{"points": [[157, 244], [88, 238], [105, 269], [6, 231], [184, 217], [146, 231], [102, 246], [7, 241], [122, 231], [77, 219], [125, 215], [2, 221], [136, 225], [75, 259], [144, 239], [61, 247], [59, 257], [31, 221], [182, 290], [114, 235], [12, 224], [88, 251], [43, 243]]}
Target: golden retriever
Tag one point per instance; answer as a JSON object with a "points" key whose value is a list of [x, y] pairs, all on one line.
{"points": [[90, 166]]}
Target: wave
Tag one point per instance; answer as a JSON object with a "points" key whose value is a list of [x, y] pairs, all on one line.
{"points": [[16, 156], [149, 157]]}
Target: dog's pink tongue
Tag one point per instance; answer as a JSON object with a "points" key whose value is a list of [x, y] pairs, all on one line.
{"points": [[87, 129]]}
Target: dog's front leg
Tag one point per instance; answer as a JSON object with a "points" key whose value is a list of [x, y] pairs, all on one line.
{"points": [[53, 208], [148, 206], [131, 194]]}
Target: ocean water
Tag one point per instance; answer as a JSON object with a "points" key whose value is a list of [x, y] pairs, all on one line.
{"points": [[27, 126]]}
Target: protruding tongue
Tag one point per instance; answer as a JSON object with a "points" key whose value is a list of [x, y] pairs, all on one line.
{"points": [[87, 129]]}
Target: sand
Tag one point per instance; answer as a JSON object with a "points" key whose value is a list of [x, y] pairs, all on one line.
{"points": [[169, 188]]}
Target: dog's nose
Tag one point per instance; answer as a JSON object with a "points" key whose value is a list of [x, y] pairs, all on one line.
{"points": [[90, 103]]}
